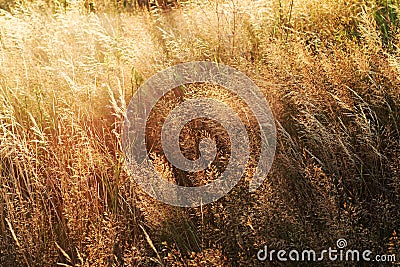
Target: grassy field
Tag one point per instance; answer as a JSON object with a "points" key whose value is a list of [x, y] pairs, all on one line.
{"points": [[329, 69]]}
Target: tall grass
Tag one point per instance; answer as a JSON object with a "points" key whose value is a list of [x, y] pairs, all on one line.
{"points": [[329, 69]]}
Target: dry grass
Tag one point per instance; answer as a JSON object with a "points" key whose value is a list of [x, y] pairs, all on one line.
{"points": [[329, 69]]}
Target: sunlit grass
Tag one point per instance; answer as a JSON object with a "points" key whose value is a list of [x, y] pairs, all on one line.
{"points": [[329, 69]]}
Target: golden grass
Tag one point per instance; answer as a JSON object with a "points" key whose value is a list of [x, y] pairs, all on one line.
{"points": [[329, 69]]}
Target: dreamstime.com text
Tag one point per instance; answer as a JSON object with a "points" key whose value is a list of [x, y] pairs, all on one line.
{"points": [[331, 254]]}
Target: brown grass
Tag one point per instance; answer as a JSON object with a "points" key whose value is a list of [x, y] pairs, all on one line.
{"points": [[329, 69]]}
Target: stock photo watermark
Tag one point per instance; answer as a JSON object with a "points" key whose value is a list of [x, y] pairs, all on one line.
{"points": [[145, 99], [340, 253]]}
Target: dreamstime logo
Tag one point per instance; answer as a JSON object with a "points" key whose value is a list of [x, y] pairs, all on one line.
{"points": [[145, 99], [340, 253], [341, 243]]}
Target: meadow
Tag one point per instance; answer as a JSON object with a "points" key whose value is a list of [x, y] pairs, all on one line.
{"points": [[329, 69]]}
